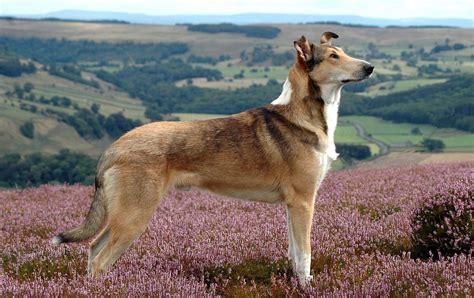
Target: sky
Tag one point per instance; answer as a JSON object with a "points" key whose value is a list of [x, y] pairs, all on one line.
{"points": [[386, 9]]}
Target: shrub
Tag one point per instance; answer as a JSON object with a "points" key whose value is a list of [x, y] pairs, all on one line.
{"points": [[444, 225], [353, 151], [433, 145], [416, 131]]}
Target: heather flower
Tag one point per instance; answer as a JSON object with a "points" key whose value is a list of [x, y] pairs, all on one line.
{"points": [[201, 245]]}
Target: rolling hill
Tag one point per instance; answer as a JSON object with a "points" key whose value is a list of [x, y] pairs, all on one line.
{"points": [[52, 134]]}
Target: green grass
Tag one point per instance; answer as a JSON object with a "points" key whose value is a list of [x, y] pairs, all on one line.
{"points": [[347, 134], [399, 134]]}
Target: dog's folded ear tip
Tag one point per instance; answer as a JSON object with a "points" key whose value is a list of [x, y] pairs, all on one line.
{"points": [[301, 40], [327, 36]]}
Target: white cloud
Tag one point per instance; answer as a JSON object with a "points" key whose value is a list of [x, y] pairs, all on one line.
{"points": [[369, 8]]}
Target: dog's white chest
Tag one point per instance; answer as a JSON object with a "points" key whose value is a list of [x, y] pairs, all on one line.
{"points": [[324, 166], [331, 96]]}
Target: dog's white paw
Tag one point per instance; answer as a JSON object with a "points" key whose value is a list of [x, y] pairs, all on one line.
{"points": [[305, 280]]}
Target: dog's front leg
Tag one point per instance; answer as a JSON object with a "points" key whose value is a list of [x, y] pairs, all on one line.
{"points": [[300, 213], [291, 240]]}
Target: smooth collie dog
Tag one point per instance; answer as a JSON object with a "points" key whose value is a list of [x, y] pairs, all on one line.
{"points": [[279, 153]]}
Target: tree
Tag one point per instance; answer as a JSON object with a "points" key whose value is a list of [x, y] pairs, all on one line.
{"points": [[95, 108], [18, 91], [153, 114], [117, 124], [28, 87], [433, 145], [27, 129]]}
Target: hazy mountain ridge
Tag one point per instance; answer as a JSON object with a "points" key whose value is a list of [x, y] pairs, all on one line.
{"points": [[249, 18]]}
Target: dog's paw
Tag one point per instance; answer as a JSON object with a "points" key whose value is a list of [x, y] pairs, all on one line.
{"points": [[305, 281]]}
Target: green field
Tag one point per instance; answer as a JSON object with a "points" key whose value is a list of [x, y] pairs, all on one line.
{"points": [[347, 134], [399, 134]]}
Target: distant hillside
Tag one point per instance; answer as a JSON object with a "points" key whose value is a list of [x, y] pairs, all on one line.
{"points": [[250, 18], [79, 85], [448, 104]]}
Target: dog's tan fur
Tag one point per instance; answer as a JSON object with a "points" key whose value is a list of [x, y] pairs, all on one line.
{"points": [[274, 154]]}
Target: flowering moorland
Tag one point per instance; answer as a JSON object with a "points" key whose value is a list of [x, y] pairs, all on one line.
{"points": [[197, 245]]}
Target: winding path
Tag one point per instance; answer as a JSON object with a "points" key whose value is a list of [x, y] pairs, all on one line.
{"points": [[384, 149]]}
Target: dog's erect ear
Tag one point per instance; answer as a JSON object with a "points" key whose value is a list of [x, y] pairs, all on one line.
{"points": [[304, 49], [327, 36]]}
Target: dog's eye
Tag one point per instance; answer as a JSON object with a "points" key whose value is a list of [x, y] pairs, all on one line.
{"points": [[334, 56]]}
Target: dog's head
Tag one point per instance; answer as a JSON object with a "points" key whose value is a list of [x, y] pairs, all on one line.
{"points": [[327, 64]]}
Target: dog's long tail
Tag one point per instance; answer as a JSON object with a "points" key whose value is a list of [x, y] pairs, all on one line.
{"points": [[94, 220]]}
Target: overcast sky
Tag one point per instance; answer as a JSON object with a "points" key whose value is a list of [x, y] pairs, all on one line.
{"points": [[367, 8]]}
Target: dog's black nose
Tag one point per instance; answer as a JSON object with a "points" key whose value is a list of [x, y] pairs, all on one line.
{"points": [[368, 68]]}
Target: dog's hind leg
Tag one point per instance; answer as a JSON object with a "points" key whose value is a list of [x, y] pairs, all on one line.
{"points": [[96, 246], [301, 217], [136, 195]]}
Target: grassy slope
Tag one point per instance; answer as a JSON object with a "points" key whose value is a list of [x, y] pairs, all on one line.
{"points": [[111, 101], [399, 86], [52, 135]]}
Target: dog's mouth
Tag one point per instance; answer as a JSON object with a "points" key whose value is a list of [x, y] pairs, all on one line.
{"points": [[356, 80], [353, 80]]}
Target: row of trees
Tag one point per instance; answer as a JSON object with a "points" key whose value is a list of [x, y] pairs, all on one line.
{"points": [[93, 125], [259, 31], [207, 59], [50, 51], [71, 73], [350, 152], [35, 169]]}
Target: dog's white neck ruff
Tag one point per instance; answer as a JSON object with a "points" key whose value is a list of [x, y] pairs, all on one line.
{"points": [[331, 95], [285, 95]]}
